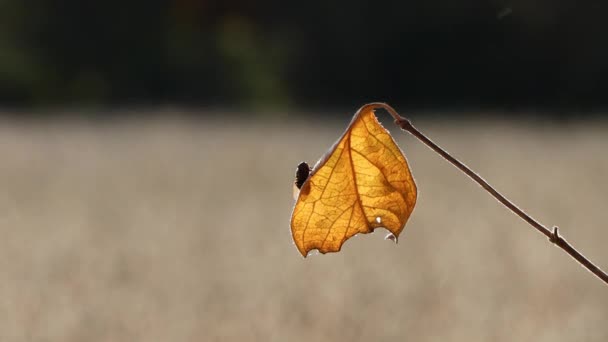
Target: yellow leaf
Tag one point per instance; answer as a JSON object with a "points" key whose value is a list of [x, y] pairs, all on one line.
{"points": [[363, 182]]}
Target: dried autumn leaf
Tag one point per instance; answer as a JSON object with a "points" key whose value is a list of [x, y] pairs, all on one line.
{"points": [[363, 182]]}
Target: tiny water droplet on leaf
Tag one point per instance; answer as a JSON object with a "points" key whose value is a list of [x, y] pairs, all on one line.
{"points": [[362, 181]]}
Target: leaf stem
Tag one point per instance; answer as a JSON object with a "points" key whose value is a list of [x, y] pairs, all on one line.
{"points": [[553, 234]]}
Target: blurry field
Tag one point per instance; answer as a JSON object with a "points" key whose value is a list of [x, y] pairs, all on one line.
{"points": [[178, 230]]}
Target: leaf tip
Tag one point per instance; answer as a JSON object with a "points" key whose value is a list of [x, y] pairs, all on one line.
{"points": [[392, 237]]}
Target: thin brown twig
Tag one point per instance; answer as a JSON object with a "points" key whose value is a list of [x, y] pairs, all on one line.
{"points": [[553, 234]]}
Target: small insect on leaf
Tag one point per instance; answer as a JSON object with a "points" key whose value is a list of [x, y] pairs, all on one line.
{"points": [[302, 173], [361, 183]]}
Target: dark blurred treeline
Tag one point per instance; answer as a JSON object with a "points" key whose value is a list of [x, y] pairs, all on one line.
{"points": [[243, 54]]}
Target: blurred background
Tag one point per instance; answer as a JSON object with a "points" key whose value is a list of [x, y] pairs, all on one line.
{"points": [[476, 54], [149, 148]]}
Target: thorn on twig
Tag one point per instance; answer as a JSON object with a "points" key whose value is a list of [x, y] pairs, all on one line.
{"points": [[555, 236]]}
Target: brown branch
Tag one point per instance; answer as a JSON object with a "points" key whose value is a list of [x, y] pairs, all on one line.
{"points": [[553, 234]]}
